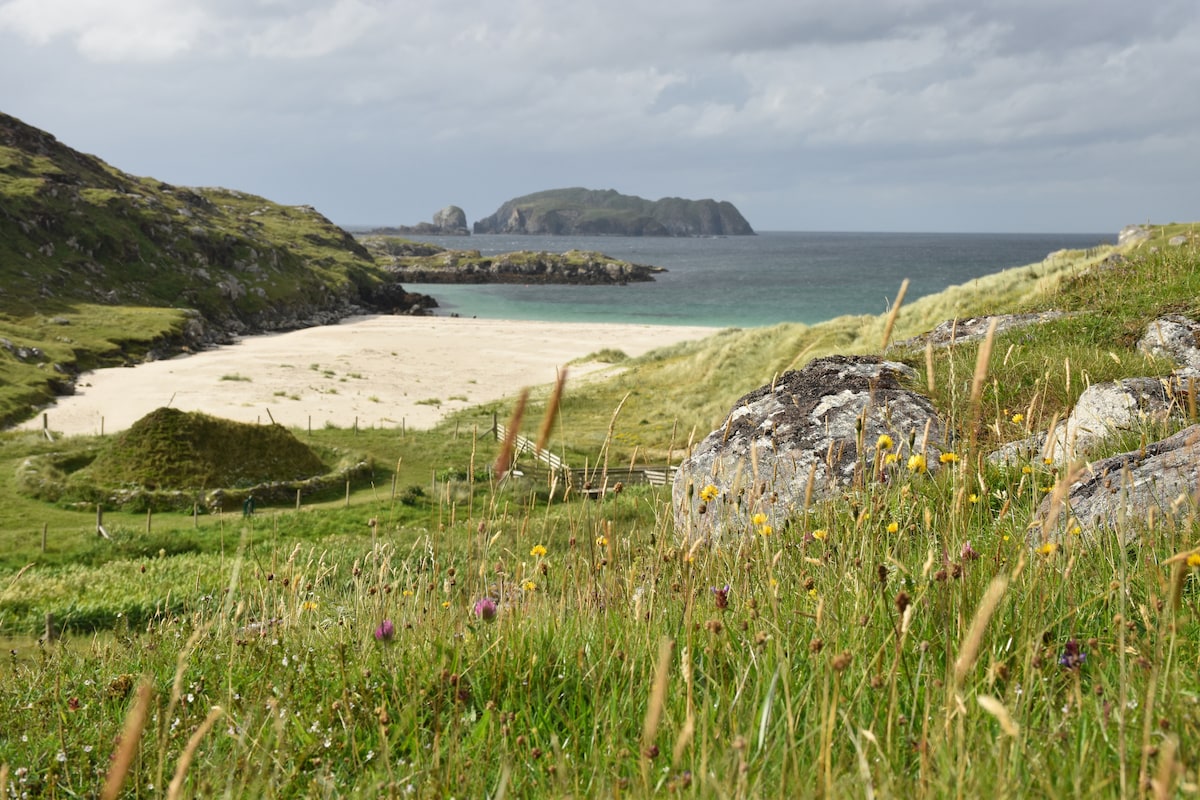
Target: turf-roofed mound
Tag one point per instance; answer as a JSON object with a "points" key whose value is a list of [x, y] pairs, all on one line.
{"points": [[171, 449]]}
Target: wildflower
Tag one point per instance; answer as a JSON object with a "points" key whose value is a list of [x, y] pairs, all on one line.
{"points": [[1076, 530], [485, 609], [529, 586], [385, 632], [445, 604], [916, 463], [1025, 470], [759, 519], [1073, 655], [884, 442], [820, 534], [308, 605], [974, 498], [766, 530], [721, 596], [1048, 549], [893, 527], [708, 493], [538, 551], [968, 553], [1194, 560], [948, 458], [601, 541], [1018, 418], [407, 592]]}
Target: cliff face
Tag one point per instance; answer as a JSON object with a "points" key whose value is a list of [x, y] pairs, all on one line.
{"points": [[585, 212], [74, 229]]}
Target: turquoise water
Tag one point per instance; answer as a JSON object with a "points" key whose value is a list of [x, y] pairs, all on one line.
{"points": [[748, 281]]}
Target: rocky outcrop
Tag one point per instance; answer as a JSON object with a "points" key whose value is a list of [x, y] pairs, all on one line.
{"points": [[805, 437], [572, 267], [585, 212], [957, 331], [450, 221], [1124, 492]]}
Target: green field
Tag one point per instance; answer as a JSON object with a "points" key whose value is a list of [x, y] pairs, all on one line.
{"points": [[902, 640]]}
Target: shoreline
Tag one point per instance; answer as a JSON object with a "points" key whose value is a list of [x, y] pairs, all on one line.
{"points": [[373, 371]]}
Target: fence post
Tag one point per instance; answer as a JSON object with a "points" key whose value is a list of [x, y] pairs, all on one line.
{"points": [[347, 492], [297, 499], [50, 634], [149, 516], [195, 514], [45, 528]]}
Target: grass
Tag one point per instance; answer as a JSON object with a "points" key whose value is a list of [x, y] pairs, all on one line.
{"points": [[901, 640]]}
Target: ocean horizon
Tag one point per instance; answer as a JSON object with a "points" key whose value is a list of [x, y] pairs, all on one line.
{"points": [[747, 281]]}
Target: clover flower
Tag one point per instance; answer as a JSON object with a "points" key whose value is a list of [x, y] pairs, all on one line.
{"points": [[721, 596], [485, 609], [385, 632]]}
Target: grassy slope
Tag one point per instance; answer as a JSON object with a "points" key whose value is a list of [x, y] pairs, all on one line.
{"points": [[96, 264]]}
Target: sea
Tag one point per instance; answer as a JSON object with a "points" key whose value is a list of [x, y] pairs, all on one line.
{"points": [[748, 281]]}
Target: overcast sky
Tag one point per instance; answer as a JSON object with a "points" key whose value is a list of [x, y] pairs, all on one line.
{"points": [[853, 115]]}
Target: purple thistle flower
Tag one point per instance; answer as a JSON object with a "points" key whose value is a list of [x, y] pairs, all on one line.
{"points": [[485, 609], [385, 631], [722, 596], [1073, 655], [968, 553]]}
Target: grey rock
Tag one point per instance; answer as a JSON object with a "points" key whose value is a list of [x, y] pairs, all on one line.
{"points": [[1176, 241], [1122, 491], [1174, 337], [1131, 234], [451, 218], [955, 331], [803, 428], [1104, 409]]}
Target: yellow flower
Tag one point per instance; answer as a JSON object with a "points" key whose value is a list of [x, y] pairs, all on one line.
{"points": [[891, 458], [1194, 560], [1048, 549], [1025, 470], [759, 519], [812, 592], [766, 530], [916, 463], [884, 442], [529, 586], [893, 527], [601, 541], [445, 604], [1076, 530], [820, 534], [408, 592], [538, 551], [1018, 419], [308, 605], [949, 458], [974, 498], [709, 493]]}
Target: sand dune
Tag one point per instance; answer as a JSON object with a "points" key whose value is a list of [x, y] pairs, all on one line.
{"points": [[383, 371]]}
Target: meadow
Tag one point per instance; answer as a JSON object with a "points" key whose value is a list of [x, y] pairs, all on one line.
{"points": [[440, 632]]}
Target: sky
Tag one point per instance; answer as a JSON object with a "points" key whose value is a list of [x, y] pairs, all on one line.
{"points": [[843, 115]]}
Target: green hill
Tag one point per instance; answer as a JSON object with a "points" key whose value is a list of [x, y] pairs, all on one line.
{"points": [[587, 212], [187, 267]]}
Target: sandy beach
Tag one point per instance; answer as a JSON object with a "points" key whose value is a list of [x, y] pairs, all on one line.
{"points": [[384, 371]]}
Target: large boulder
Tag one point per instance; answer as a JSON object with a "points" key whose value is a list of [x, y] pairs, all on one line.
{"points": [[805, 436], [1160, 479]]}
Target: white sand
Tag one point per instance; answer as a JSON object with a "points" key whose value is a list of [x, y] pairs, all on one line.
{"points": [[376, 369]]}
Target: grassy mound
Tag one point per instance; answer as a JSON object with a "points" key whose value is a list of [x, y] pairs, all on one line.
{"points": [[171, 449]]}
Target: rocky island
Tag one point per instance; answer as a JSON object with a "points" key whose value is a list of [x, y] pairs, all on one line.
{"points": [[587, 212], [450, 221], [417, 262]]}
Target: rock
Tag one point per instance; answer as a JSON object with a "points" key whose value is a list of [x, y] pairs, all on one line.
{"points": [[1162, 479], [1176, 241], [451, 219], [803, 428], [1107, 408], [954, 331], [1132, 234], [1175, 337]]}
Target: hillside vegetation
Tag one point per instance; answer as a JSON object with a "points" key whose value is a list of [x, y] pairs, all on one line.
{"points": [[98, 266]]}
